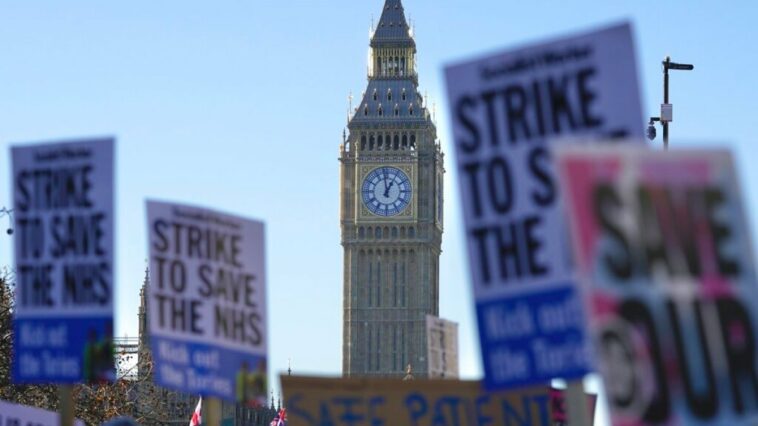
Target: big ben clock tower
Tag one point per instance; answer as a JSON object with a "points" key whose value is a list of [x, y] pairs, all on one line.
{"points": [[391, 212]]}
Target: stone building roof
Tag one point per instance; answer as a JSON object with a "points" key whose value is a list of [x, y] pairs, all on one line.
{"points": [[392, 28], [392, 97]]}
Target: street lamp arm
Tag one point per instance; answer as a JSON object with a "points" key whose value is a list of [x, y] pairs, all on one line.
{"points": [[676, 66]]}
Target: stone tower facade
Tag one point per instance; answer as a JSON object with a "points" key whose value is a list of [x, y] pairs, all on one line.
{"points": [[390, 212]]}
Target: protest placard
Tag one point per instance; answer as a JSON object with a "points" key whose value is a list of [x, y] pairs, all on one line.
{"points": [[207, 302], [664, 253], [312, 401], [63, 210], [504, 108], [22, 415], [559, 409], [442, 347]]}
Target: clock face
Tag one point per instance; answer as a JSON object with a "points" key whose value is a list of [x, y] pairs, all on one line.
{"points": [[386, 191]]}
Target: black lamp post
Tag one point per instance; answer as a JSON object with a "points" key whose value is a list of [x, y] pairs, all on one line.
{"points": [[667, 110]]}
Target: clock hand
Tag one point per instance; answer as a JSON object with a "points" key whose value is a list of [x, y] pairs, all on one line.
{"points": [[387, 189]]}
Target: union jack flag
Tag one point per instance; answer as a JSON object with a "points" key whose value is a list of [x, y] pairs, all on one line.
{"points": [[280, 419]]}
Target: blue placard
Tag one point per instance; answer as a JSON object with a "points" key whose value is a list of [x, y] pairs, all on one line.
{"points": [[63, 222], [206, 369], [67, 350], [533, 338]]}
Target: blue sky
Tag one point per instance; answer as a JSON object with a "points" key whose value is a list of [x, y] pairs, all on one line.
{"points": [[240, 105]]}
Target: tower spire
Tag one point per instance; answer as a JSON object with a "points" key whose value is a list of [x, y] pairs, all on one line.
{"points": [[392, 28]]}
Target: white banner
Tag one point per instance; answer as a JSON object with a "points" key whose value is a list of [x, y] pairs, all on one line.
{"points": [[23, 415], [442, 347], [207, 301], [64, 245], [504, 109]]}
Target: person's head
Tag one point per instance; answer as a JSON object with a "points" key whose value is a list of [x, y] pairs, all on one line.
{"points": [[121, 421]]}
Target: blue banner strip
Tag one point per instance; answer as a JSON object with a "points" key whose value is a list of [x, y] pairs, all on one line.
{"points": [[530, 339], [209, 370], [62, 350]]}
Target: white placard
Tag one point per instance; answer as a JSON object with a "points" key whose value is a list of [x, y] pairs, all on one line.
{"points": [[504, 108], [442, 347], [64, 246], [23, 415], [664, 254], [207, 301]]}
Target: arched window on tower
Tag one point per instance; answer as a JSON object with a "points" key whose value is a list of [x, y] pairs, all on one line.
{"points": [[365, 109], [403, 95], [363, 142], [381, 111], [371, 143], [397, 110], [389, 94], [402, 66], [378, 349], [379, 283], [394, 348], [370, 280], [379, 142], [412, 271], [368, 349], [374, 95], [394, 285], [410, 109]]}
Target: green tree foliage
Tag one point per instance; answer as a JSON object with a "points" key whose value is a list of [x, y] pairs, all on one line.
{"points": [[132, 394]]}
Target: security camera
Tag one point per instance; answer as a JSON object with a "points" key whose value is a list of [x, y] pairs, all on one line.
{"points": [[651, 127], [651, 131], [9, 231]]}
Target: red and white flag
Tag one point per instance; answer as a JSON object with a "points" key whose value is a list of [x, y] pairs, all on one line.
{"points": [[197, 416], [280, 419]]}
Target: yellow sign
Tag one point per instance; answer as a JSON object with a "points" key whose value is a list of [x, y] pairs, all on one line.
{"points": [[312, 401]]}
